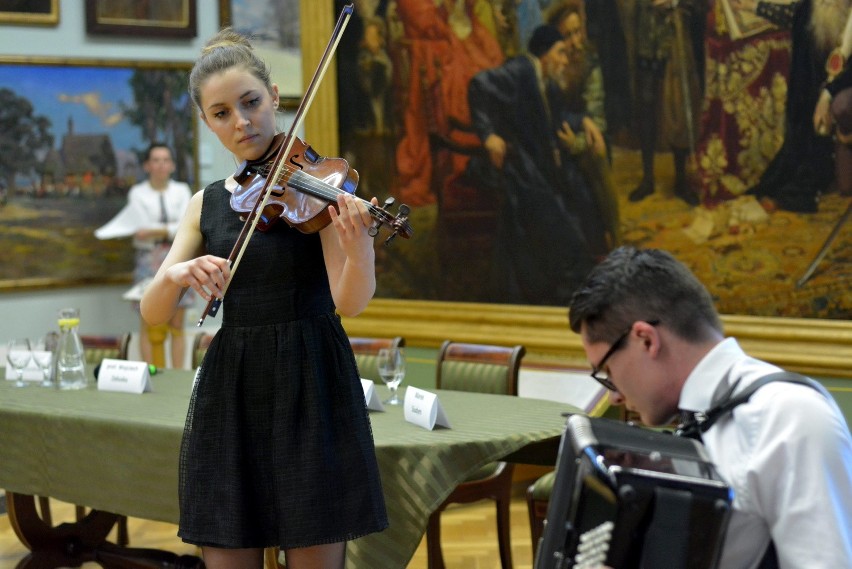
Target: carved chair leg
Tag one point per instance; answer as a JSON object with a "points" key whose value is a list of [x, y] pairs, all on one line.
{"points": [[122, 533], [434, 556], [533, 522], [503, 538], [503, 501]]}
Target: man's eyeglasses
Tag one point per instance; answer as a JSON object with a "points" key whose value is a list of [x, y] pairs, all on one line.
{"points": [[599, 372]]}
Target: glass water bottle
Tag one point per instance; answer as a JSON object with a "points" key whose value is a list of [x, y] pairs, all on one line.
{"points": [[70, 359]]}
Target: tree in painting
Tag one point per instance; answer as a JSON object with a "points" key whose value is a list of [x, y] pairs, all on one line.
{"points": [[24, 136], [162, 110]]}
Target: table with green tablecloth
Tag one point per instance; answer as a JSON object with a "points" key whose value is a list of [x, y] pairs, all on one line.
{"points": [[118, 452]]}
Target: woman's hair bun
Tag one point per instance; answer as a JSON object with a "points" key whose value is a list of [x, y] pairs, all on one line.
{"points": [[227, 37]]}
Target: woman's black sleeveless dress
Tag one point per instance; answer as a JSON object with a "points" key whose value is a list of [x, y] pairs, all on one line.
{"points": [[278, 448]]}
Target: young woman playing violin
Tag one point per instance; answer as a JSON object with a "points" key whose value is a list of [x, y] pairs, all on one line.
{"points": [[278, 449]]}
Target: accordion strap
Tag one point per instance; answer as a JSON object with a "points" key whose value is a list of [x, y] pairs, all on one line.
{"points": [[701, 422], [770, 558]]}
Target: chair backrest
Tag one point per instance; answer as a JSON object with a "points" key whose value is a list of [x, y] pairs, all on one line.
{"points": [[96, 348], [367, 349], [199, 348], [481, 368]]}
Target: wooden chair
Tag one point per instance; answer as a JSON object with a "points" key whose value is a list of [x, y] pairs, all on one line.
{"points": [[97, 348], [366, 351], [199, 347], [538, 498], [485, 369]]}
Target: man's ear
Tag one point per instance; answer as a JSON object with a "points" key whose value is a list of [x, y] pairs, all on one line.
{"points": [[649, 335]]}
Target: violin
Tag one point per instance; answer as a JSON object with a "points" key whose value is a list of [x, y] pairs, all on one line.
{"points": [[303, 191]]}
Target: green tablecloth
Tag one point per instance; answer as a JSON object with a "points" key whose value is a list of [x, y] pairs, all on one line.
{"points": [[118, 452]]}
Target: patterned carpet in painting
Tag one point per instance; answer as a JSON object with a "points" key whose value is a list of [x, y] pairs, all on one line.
{"points": [[750, 260]]}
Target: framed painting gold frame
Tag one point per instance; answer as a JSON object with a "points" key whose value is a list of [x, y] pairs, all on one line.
{"points": [[819, 347], [88, 121], [103, 18], [224, 13], [44, 13]]}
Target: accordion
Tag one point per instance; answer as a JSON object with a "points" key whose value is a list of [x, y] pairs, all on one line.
{"points": [[632, 498]]}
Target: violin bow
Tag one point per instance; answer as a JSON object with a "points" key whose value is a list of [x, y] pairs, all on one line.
{"points": [[279, 164]]}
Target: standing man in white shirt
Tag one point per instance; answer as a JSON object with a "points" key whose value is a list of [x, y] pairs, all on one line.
{"points": [[163, 201], [654, 338]]}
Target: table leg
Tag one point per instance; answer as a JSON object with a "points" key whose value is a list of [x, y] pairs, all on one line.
{"points": [[72, 544]]}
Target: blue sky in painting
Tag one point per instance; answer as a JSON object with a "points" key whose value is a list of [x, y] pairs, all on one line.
{"points": [[257, 18], [90, 96]]}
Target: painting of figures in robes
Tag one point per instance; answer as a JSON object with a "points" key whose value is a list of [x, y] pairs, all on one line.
{"points": [[531, 137]]}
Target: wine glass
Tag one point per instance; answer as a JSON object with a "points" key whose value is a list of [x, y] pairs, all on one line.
{"points": [[18, 355], [391, 367], [43, 354]]}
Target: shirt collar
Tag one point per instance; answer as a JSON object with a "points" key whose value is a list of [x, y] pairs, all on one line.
{"points": [[710, 377]]}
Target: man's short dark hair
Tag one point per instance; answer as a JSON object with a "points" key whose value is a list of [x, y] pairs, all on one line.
{"points": [[642, 285], [147, 155]]}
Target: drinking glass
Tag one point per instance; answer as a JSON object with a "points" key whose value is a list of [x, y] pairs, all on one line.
{"points": [[43, 354], [18, 355], [391, 366]]}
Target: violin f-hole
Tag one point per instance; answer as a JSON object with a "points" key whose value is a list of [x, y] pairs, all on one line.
{"points": [[295, 163]]}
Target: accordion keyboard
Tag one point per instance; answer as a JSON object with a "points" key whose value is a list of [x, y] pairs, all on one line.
{"points": [[594, 546]]}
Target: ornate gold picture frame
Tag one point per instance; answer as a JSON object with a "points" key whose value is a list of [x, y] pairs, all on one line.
{"points": [[173, 19], [36, 13]]}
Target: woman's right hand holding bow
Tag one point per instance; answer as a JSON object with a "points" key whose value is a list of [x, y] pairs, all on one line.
{"points": [[208, 275], [185, 266]]}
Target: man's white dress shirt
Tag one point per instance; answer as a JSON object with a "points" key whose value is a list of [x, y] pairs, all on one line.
{"points": [[787, 454]]}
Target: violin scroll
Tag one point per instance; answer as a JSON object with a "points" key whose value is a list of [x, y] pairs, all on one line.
{"points": [[399, 223]]}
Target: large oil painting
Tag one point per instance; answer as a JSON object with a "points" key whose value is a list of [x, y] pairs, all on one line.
{"points": [[72, 134], [697, 113]]}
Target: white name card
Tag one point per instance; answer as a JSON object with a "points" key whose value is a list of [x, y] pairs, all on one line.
{"points": [[424, 410], [124, 375], [371, 396]]}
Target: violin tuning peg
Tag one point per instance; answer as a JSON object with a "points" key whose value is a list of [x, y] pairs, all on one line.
{"points": [[373, 230], [389, 202], [404, 209]]}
